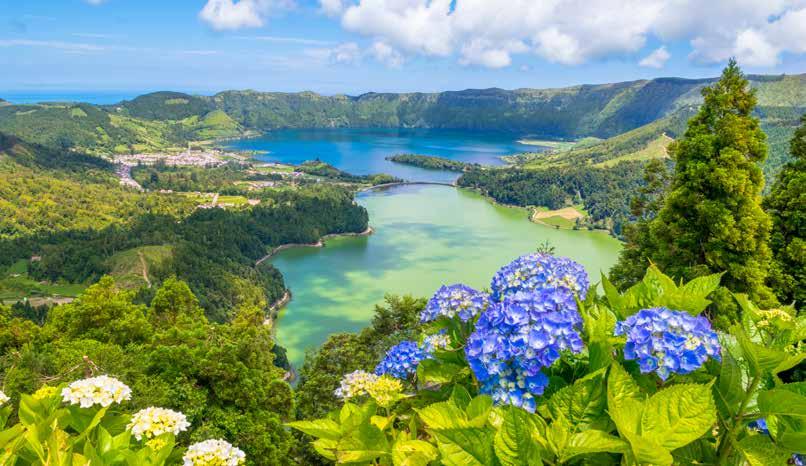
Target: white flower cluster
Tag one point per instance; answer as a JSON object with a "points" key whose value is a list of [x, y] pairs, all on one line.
{"points": [[102, 390], [436, 341], [3, 398], [153, 422], [213, 453], [355, 384]]}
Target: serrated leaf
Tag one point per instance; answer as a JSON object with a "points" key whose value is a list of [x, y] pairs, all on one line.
{"points": [[513, 442], [730, 386], [702, 286], [479, 410], [465, 447], [583, 404], [460, 396], [614, 299], [320, 428], [782, 402], [366, 443], [443, 415], [658, 282], [760, 358], [678, 415], [593, 441], [694, 305], [437, 372], [413, 453], [759, 450]]}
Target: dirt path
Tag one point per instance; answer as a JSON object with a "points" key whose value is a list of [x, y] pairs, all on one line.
{"points": [[568, 213], [145, 267]]}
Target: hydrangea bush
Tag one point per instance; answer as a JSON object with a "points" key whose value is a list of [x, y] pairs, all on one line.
{"points": [[85, 423], [544, 370]]}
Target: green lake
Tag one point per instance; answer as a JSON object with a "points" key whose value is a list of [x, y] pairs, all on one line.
{"points": [[425, 236]]}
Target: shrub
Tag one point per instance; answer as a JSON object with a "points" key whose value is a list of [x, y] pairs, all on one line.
{"points": [[552, 373], [82, 423]]}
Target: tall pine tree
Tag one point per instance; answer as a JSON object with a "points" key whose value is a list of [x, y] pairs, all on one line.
{"points": [[786, 205], [712, 220]]}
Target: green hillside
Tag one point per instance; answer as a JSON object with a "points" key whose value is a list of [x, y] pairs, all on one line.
{"points": [[133, 268], [643, 143], [169, 106]]}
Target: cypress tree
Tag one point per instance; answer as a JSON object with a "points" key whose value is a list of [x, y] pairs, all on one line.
{"points": [[786, 205], [712, 220]]}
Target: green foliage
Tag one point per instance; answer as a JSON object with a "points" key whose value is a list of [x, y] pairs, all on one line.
{"points": [[600, 190], [222, 376], [711, 219], [164, 106], [435, 163], [602, 411], [786, 205], [49, 433]]}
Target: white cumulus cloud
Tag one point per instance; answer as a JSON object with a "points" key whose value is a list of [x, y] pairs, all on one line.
{"points": [[571, 32], [386, 55], [656, 59], [238, 14]]}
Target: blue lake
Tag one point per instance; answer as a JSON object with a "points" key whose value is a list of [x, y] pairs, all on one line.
{"points": [[364, 151]]}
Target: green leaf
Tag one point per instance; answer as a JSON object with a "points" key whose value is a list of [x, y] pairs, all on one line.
{"points": [[465, 447], [366, 443], [613, 297], [702, 286], [694, 305], [583, 404], [437, 372], [678, 415], [460, 396], [443, 415], [479, 410], [760, 358], [413, 453], [782, 402], [648, 451], [513, 442], [624, 400], [320, 428], [759, 450], [729, 387], [593, 441], [657, 282]]}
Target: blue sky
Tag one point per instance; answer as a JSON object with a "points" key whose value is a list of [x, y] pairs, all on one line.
{"points": [[355, 46]]}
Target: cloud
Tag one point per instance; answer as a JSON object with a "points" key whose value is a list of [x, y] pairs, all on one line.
{"points": [[387, 55], [573, 32], [344, 54], [332, 7], [288, 40], [58, 45], [656, 59], [237, 14]]}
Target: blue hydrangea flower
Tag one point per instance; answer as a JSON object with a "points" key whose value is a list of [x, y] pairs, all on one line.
{"points": [[539, 271], [518, 337], [760, 425], [401, 360], [665, 341], [450, 301]]}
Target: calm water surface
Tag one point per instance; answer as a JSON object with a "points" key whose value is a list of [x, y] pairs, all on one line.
{"points": [[364, 151], [425, 236]]}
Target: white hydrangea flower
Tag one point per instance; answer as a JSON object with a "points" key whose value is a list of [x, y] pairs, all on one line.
{"points": [[213, 453], [3, 398], [355, 384], [152, 422], [102, 390], [436, 341]]}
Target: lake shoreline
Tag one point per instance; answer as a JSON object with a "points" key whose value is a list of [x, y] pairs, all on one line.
{"points": [[318, 244]]}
